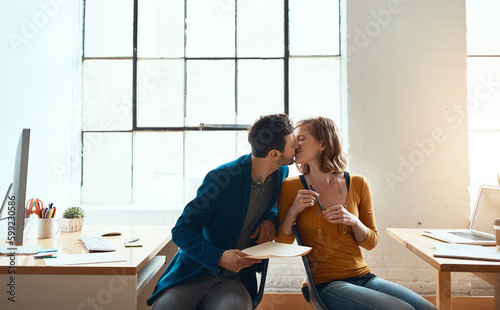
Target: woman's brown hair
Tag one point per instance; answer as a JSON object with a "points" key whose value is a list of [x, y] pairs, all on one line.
{"points": [[333, 159]]}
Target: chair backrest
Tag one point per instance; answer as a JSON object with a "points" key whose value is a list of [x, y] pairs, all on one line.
{"points": [[313, 297], [260, 291]]}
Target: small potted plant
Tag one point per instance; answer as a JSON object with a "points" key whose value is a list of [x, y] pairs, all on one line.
{"points": [[72, 219]]}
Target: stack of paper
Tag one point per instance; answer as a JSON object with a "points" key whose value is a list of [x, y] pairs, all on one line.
{"points": [[467, 252], [45, 255]]}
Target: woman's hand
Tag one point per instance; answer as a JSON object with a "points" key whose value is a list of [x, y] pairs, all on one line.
{"points": [[339, 215], [305, 198]]}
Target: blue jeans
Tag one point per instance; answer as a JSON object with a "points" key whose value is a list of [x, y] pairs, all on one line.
{"points": [[370, 292]]}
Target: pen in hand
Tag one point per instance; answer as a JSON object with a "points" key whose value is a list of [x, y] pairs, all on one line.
{"points": [[317, 199], [322, 210]]}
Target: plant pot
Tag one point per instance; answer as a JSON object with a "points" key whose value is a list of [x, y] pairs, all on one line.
{"points": [[71, 225]]}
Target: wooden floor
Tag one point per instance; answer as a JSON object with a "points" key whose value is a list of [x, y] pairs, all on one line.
{"points": [[297, 302]]}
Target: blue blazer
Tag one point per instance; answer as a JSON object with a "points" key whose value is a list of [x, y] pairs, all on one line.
{"points": [[211, 223]]}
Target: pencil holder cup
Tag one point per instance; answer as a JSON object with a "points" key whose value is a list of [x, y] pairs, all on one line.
{"points": [[48, 228], [71, 225]]}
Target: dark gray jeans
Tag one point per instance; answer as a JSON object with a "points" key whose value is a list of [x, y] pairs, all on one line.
{"points": [[208, 293]]}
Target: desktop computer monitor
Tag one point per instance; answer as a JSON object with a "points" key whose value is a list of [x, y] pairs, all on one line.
{"points": [[14, 202]]}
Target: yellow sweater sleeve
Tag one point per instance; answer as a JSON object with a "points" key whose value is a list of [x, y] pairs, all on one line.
{"points": [[366, 212]]}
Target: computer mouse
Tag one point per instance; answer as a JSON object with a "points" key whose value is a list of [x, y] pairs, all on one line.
{"points": [[111, 233]]}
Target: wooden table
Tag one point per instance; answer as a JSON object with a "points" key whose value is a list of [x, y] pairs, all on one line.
{"points": [[424, 248], [112, 285]]}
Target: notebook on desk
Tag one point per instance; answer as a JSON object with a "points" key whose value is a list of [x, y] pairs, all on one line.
{"points": [[480, 231], [465, 251]]}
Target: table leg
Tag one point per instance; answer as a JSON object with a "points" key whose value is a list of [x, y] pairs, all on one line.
{"points": [[443, 290], [496, 291]]}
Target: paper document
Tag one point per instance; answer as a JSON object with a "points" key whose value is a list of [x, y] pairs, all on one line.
{"points": [[90, 258], [467, 252], [276, 249]]}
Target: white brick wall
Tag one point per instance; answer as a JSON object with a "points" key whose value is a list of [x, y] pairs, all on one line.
{"points": [[406, 76], [401, 85]]}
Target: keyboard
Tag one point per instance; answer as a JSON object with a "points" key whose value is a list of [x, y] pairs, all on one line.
{"points": [[472, 235], [96, 244]]}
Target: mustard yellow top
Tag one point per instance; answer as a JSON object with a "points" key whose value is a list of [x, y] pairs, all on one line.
{"points": [[336, 255]]}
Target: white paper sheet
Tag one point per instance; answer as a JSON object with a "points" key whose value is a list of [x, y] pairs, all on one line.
{"points": [[276, 249], [90, 258]]}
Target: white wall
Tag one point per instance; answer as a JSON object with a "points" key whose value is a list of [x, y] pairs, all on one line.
{"points": [[406, 65], [37, 72]]}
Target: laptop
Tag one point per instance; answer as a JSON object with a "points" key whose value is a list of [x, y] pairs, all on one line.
{"points": [[480, 231]]}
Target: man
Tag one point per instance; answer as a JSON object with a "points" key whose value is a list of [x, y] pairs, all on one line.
{"points": [[234, 209]]}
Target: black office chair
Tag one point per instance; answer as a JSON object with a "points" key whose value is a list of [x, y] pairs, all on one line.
{"points": [[309, 292], [260, 291]]}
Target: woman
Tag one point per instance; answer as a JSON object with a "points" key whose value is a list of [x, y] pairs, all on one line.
{"points": [[335, 217]]}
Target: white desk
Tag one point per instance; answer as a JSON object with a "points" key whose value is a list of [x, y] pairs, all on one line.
{"points": [[114, 285]]}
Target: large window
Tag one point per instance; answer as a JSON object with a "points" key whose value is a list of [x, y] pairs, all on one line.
{"points": [[483, 79], [170, 86]]}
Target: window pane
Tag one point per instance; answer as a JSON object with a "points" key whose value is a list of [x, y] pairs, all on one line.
{"points": [[205, 151], [315, 88], [210, 28], [161, 28], [483, 76], [108, 28], [260, 28], [107, 95], [260, 89], [242, 144], [484, 158], [160, 93], [314, 27], [210, 92], [107, 164], [158, 168], [482, 24]]}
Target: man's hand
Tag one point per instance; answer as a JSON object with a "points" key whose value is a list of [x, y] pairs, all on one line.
{"points": [[234, 260], [265, 232]]}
